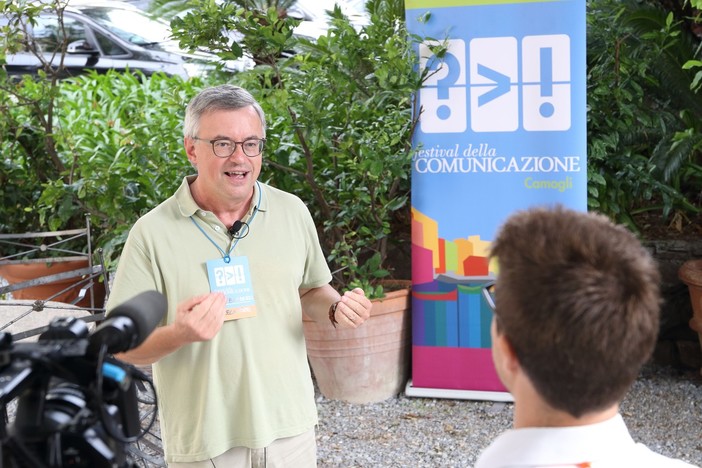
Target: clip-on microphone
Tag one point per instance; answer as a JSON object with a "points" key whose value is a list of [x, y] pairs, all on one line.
{"points": [[236, 227]]}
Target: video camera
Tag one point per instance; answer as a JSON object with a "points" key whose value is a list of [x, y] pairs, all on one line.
{"points": [[76, 405]]}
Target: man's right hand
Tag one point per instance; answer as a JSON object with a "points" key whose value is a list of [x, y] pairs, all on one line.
{"points": [[197, 319], [201, 317]]}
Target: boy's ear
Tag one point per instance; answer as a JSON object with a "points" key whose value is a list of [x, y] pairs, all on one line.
{"points": [[504, 357]]}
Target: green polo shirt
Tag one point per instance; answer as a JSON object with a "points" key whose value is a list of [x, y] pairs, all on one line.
{"points": [[250, 384]]}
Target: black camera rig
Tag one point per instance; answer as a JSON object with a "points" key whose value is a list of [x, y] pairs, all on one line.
{"points": [[76, 405]]}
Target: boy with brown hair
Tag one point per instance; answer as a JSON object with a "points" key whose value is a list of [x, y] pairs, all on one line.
{"points": [[576, 316]]}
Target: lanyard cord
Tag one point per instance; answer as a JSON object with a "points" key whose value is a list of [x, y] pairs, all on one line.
{"points": [[226, 256]]}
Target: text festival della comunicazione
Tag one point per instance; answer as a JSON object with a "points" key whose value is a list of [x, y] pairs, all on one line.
{"points": [[482, 158]]}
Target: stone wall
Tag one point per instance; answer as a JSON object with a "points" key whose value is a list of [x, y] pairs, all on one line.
{"points": [[678, 345]]}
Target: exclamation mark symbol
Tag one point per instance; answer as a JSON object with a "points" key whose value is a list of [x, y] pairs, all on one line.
{"points": [[546, 60]]}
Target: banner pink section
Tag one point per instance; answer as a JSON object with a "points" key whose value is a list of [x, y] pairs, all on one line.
{"points": [[454, 368]]}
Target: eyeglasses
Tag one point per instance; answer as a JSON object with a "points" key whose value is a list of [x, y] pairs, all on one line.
{"points": [[223, 148], [488, 291]]}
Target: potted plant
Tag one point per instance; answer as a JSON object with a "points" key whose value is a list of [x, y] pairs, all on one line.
{"points": [[340, 124]]}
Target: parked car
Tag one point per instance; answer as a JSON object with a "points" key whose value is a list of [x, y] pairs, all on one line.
{"points": [[109, 35]]}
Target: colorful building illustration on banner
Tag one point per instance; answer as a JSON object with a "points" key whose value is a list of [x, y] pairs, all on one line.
{"points": [[449, 308], [502, 128]]}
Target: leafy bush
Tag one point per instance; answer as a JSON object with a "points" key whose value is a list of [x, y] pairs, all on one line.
{"points": [[643, 119], [341, 118], [340, 123], [118, 138]]}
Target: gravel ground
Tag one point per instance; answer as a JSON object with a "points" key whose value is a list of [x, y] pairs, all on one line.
{"points": [[663, 410]]}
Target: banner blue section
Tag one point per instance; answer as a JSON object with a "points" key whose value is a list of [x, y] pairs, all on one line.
{"points": [[502, 128], [503, 112]]}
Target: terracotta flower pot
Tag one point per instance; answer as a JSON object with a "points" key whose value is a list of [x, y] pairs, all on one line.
{"points": [[691, 274], [18, 272], [368, 364]]}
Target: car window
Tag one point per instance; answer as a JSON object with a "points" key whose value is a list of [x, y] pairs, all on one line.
{"points": [[109, 47], [49, 37], [131, 25]]}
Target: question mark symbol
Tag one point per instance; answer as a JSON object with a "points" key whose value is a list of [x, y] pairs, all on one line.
{"points": [[450, 65]]}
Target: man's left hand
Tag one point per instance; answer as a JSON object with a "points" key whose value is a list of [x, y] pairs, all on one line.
{"points": [[353, 309]]}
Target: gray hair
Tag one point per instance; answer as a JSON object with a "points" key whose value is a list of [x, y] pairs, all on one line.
{"points": [[222, 97]]}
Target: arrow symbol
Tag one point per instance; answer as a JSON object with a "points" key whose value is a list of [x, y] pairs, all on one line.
{"points": [[501, 84]]}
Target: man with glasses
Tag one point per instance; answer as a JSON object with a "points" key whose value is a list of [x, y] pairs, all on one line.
{"points": [[239, 261], [576, 316]]}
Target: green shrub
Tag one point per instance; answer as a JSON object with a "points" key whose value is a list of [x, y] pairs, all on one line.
{"points": [[120, 138], [644, 121], [340, 120]]}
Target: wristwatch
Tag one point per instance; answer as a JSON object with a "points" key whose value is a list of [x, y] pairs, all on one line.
{"points": [[332, 313]]}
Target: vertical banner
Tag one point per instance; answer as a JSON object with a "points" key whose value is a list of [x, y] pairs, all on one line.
{"points": [[502, 128]]}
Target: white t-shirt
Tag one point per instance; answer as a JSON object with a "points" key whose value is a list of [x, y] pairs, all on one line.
{"points": [[602, 445]]}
